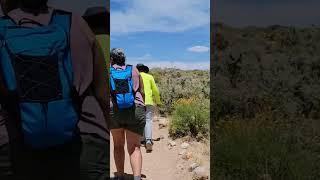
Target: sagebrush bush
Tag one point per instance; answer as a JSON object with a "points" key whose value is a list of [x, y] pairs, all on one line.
{"points": [[266, 103], [175, 84], [247, 78], [261, 149], [190, 117]]}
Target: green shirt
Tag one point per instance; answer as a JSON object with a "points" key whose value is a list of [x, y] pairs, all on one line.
{"points": [[150, 89]]}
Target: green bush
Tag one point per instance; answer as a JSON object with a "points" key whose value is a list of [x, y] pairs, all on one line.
{"points": [[262, 149], [185, 98], [175, 84], [190, 117], [266, 103]]}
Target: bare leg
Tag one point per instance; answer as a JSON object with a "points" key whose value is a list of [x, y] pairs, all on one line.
{"points": [[133, 145], [118, 150]]}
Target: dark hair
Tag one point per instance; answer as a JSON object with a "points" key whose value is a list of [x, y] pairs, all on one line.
{"points": [[117, 56], [34, 6], [145, 70], [8, 5], [142, 68], [118, 60]]}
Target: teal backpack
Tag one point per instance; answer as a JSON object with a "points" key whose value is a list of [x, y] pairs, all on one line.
{"points": [[36, 66]]}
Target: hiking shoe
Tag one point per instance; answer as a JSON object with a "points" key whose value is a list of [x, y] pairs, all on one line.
{"points": [[143, 142], [149, 145]]}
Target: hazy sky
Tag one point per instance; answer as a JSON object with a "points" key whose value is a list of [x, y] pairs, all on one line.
{"points": [[267, 12]]}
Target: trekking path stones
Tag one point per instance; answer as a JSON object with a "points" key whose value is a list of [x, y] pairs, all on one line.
{"points": [[170, 159], [184, 145]]}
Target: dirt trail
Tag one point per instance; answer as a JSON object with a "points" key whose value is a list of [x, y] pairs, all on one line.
{"points": [[163, 162]]}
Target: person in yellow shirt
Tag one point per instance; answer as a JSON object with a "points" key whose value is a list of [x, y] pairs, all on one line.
{"points": [[152, 97]]}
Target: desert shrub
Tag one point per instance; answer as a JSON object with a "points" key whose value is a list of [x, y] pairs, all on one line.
{"points": [[175, 84], [261, 149], [249, 79], [190, 117], [266, 104]]}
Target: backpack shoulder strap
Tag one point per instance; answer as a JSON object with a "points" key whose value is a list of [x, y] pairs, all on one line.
{"points": [[5, 21], [112, 69], [62, 12], [129, 68], [112, 72], [64, 19]]}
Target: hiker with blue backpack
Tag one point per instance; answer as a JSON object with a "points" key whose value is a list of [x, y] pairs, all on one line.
{"points": [[50, 62], [127, 112]]}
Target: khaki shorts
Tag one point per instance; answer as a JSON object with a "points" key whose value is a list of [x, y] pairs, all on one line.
{"points": [[133, 119]]}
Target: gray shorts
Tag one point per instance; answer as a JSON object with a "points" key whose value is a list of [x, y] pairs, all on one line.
{"points": [[133, 119]]}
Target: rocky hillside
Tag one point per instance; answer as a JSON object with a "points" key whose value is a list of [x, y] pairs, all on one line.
{"points": [[275, 67], [265, 106]]}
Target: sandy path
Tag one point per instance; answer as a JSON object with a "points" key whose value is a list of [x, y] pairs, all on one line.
{"points": [[158, 165]]}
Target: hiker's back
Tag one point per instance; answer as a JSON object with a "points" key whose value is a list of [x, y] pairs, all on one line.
{"points": [[122, 86], [150, 89], [37, 69], [147, 78]]}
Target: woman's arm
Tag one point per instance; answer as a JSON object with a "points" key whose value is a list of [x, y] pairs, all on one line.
{"points": [[90, 64], [138, 85]]}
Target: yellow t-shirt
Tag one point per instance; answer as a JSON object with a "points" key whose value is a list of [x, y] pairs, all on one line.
{"points": [[150, 89]]}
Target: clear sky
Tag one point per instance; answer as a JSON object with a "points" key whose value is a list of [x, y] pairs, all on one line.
{"points": [[162, 33], [267, 12]]}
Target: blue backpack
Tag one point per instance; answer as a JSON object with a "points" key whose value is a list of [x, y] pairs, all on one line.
{"points": [[122, 87], [36, 66]]}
